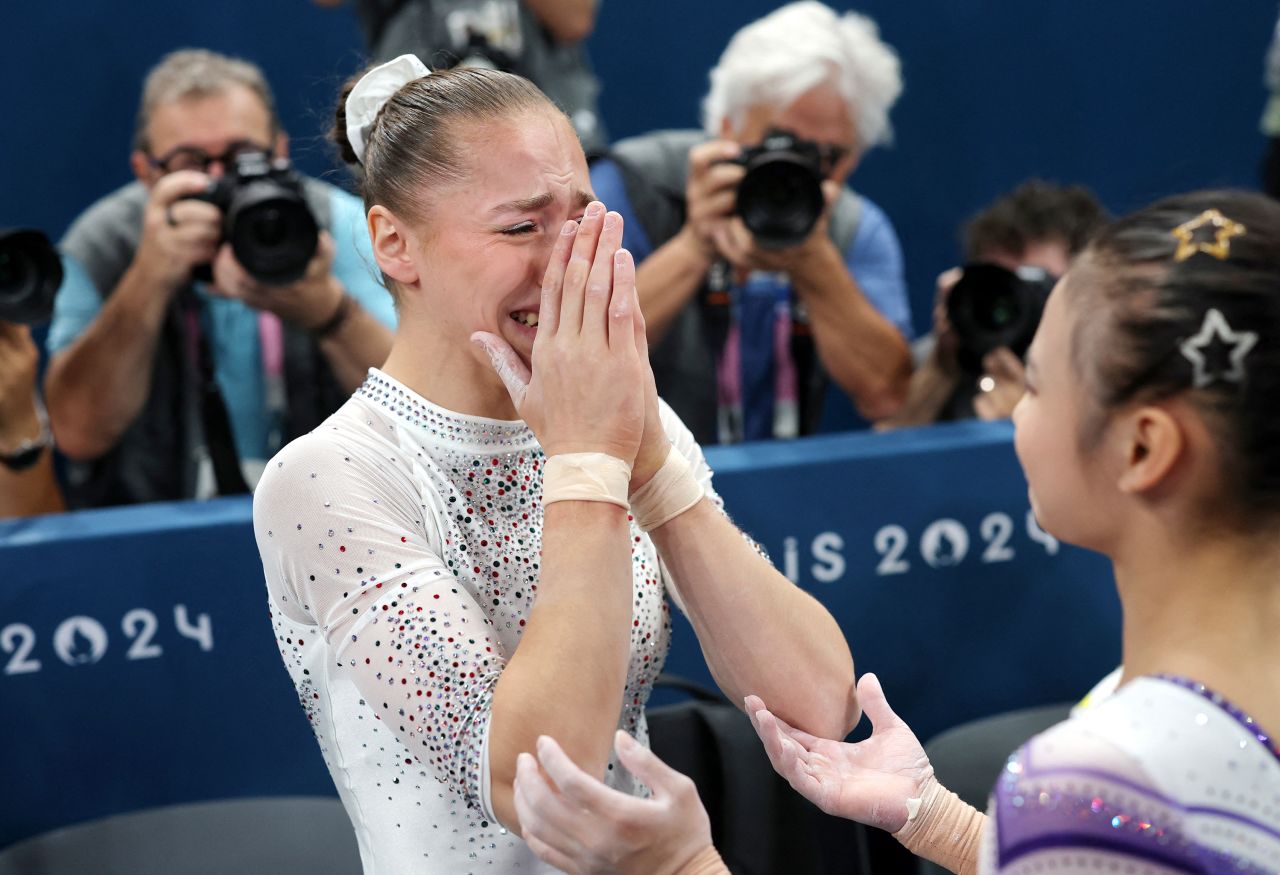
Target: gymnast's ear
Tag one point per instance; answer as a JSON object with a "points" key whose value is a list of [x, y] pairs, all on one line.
{"points": [[393, 245], [1154, 440]]}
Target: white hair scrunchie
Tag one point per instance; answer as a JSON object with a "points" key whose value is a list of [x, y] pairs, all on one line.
{"points": [[373, 90]]}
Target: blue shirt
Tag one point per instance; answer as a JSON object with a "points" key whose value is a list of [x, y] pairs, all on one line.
{"points": [[232, 326], [873, 258]]}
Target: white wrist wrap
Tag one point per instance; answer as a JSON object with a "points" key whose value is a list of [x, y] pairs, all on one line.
{"points": [[586, 477], [671, 492]]}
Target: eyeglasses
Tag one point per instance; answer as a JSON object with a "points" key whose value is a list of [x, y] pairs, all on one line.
{"points": [[195, 158], [830, 155]]}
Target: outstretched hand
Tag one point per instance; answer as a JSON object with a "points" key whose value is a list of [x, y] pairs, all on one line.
{"points": [[584, 388], [577, 824], [869, 781]]}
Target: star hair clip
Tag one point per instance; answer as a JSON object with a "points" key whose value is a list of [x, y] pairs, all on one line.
{"points": [[1213, 347], [1217, 226]]}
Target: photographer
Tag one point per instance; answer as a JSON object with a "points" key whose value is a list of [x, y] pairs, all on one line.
{"points": [[1037, 227], [27, 485], [747, 326], [164, 386], [541, 40]]}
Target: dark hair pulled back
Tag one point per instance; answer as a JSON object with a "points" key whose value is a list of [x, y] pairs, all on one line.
{"points": [[413, 146], [1137, 301]]}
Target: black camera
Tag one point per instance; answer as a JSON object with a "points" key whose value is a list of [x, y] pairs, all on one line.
{"points": [[265, 217], [30, 273], [990, 307], [780, 197]]}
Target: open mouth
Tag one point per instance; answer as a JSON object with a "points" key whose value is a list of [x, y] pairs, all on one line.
{"points": [[526, 317]]}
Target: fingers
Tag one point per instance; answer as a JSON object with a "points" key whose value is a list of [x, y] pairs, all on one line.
{"points": [[708, 156], [15, 334], [322, 261], [598, 306], [511, 370], [645, 765], [182, 183], [553, 281], [799, 735], [945, 282], [538, 807], [541, 809], [547, 854], [1002, 364], [193, 215], [716, 203], [574, 288], [784, 754], [229, 278], [874, 704], [830, 192], [624, 306], [576, 785]]}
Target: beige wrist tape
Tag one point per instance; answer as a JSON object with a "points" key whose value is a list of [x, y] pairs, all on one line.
{"points": [[586, 477], [705, 862], [943, 829], [671, 492]]}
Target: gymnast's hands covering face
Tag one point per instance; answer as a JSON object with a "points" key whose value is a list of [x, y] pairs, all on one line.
{"points": [[574, 822], [869, 781], [585, 391]]}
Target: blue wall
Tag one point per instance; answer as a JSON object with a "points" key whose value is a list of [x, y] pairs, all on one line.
{"points": [[1136, 99]]}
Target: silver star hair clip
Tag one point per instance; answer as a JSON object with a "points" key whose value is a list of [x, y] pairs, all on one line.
{"points": [[1215, 330]]}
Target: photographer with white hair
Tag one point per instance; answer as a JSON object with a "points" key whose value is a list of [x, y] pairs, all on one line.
{"points": [[762, 276]]}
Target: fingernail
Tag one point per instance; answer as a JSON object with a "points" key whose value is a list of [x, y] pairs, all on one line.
{"points": [[569, 228], [594, 209], [620, 257], [612, 220]]}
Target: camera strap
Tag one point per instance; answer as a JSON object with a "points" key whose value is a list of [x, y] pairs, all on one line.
{"points": [[215, 420]]}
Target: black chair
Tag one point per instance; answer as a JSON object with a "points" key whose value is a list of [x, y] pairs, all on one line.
{"points": [[758, 823], [244, 836]]}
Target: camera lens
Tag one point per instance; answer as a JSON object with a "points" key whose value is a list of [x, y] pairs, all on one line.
{"points": [[268, 227], [30, 273], [999, 312], [272, 232], [780, 200], [15, 271], [991, 307]]}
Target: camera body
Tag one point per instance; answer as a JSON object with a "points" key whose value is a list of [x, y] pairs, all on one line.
{"points": [[265, 217], [991, 306], [780, 197], [30, 273]]}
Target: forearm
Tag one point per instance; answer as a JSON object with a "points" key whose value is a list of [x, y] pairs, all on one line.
{"points": [[944, 830], [360, 342], [761, 635], [862, 350], [569, 21], [30, 492], [667, 279], [927, 394], [97, 386], [566, 677]]}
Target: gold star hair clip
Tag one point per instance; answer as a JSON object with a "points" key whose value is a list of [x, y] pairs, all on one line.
{"points": [[1221, 228]]}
